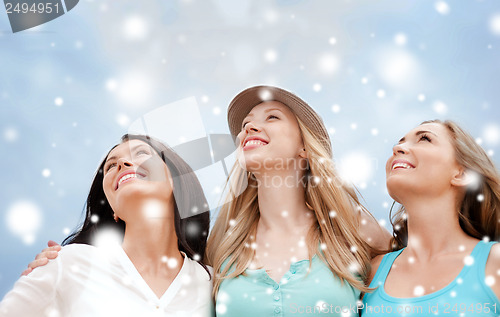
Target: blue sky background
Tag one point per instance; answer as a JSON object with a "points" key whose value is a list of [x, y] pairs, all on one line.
{"points": [[372, 69]]}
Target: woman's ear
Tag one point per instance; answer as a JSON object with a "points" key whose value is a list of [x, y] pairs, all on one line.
{"points": [[464, 177], [303, 153]]}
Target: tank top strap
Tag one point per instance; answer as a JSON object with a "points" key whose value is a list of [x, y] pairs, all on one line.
{"points": [[479, 257], [384, 268]]}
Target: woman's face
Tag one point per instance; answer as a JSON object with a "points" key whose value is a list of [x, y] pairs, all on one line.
{"points": [[423, 163], [135, 176], [270, 137]]}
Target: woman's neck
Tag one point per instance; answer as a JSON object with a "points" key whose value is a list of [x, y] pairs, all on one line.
{"points": [[151, 242], [282, 203], [433, 227]]}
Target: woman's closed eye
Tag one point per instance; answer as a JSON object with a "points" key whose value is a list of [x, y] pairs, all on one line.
{"points": [[111, 165], [425, 137]]}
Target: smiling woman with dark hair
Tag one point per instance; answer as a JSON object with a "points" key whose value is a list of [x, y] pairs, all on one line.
{"points": [[156, 269]]}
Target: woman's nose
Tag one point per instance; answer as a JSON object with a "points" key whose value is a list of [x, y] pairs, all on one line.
{"points": [[250, 126], [123, 163], [400, 148]]}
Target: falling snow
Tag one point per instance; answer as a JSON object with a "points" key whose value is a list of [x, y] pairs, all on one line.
{"points": [[24, 220], [135, 28], [442, 7], [491, 134], [317, 87], [418, 290], [46, 172], [10, 135], [468, 260], [335, 108], [328, 64], [495, 24], [440, 107], [400, 39], [58, 101]]}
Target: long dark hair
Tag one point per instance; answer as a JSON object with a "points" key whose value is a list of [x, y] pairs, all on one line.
{"points": [[191, 231]]}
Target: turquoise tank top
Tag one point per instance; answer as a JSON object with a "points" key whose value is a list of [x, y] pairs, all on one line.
{"points": [[467, 295], [302, 291]]}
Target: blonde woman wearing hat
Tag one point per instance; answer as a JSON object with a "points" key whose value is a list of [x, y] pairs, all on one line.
{"points": [[449, 191], [294, 241]]}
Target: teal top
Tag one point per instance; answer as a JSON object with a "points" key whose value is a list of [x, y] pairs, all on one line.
{"points": [[467, 295], [313, 291]]}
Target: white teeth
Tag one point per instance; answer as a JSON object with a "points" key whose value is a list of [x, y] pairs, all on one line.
{"points": [[125, 177], [254, 142], [403, 165]]}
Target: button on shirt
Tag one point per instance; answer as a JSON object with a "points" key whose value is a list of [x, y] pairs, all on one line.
{"points": [[303, 290]]}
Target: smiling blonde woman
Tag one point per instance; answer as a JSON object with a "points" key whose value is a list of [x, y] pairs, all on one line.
{"points": [[449, 265], [294, 240]]}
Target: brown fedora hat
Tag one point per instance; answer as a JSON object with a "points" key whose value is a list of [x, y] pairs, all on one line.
{"points": [[241, 105]]}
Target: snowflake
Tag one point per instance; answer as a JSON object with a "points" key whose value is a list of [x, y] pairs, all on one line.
{"points": [[328, 63], [271, 56], [221, 309], [46, 172], [442, 7], [495, 24], [122, 120], [418, 290], [58, 101], [491, 134], [24, 219], [468, 260], [440, 107], [10, 134], [490, 280], [400, 39], [135, 28]]}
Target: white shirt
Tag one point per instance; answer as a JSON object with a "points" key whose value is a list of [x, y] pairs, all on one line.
{"points": [[87, 281]]}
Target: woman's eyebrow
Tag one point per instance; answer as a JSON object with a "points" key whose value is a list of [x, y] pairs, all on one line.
{"points": [[267, 110], [132, 149], [417, 134]]}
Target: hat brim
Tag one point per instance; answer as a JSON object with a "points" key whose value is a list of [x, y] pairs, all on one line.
{"points": [[243, 103]]}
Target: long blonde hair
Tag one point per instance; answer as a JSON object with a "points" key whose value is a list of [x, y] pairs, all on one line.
{"points": [[478, 217], [336, 208]]}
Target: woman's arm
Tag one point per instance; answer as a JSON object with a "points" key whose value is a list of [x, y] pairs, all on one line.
{"points": [[33, 295], [374, 234]]}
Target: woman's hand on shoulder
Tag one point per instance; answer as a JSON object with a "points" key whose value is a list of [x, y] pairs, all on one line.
{"points": [[493, 268], [42, 258]]}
